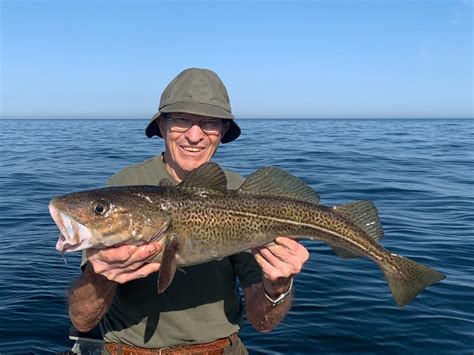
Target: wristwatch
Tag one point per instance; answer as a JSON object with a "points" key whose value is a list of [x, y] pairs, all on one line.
{"points": [[281, 297]]}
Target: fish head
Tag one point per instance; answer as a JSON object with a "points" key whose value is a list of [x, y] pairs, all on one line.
{"points": [[106, 217]]}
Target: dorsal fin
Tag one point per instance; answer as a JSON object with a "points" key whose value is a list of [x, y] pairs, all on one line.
{"points": [[271, 181], [166, 183], [365, 215], [208, 176]]}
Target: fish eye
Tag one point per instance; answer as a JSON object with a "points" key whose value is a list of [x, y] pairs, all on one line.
{"points": [[100, 207]]}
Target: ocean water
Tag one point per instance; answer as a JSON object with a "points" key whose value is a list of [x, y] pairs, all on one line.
{"points": [[419, 173]]}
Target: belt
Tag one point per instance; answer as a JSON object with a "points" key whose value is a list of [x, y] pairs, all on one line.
{"points": [[213, 348]]}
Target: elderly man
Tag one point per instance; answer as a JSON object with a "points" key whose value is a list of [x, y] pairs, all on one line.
{"points": [[201, 311]]}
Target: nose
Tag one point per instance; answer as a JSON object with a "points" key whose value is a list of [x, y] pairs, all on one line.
{"points": [[194, 134]]}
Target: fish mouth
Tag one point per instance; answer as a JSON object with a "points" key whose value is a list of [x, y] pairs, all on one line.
{"points": [[74, 235]]}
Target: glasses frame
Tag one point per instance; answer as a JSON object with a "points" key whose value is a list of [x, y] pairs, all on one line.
{"points": [[223, 124]]}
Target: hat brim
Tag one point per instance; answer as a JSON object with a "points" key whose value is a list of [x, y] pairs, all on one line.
{"points": [[199, 109]]}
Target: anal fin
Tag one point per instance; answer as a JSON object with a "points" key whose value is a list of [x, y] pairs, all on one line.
{"points": [[345, 253], [341, 251]]}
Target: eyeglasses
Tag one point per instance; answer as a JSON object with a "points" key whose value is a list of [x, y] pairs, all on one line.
{"points": [[182, 124]]}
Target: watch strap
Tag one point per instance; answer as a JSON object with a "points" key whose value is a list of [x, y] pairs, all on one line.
{"points": [[281, 297]]}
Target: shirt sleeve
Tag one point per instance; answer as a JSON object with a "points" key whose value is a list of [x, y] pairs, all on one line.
{"points": [[246, 268]]}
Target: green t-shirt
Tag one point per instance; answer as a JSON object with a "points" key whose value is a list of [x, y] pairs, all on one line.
{"points": [[202, 303]]}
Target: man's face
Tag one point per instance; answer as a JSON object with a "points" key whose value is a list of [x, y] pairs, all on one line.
{"points": [[187, 149]]}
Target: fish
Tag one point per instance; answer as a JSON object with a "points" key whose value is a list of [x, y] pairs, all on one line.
{"points": [[200, 220]]}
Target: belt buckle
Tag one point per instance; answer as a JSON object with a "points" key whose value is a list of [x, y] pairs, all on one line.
{"points": [[162, 349]]}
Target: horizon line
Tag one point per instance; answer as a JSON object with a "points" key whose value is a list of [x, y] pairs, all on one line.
{"points": [[247, 118]]}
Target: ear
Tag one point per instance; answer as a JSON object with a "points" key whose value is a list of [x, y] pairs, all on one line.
{"points": [[161, 126]]}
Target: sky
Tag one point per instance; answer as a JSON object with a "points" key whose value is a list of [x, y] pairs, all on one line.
{"points": [[278, 59]]}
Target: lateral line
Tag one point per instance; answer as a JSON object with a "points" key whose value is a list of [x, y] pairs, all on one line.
{"points": [[312, 226]]}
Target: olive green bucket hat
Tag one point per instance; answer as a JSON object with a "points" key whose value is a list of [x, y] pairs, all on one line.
{"points": [[196, 91]]}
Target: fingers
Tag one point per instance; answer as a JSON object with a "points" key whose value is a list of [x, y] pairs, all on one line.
{"points": [[283, 259], [273, 267], [292, 250], [124, 263], [291, 245], [122, 276], [144, 252], [109, 255]]}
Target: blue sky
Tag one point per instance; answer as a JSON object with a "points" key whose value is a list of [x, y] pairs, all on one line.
{"points": [[321, 59]]}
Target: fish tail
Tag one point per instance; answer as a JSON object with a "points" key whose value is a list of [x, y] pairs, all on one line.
{"points": [[409, 278]]}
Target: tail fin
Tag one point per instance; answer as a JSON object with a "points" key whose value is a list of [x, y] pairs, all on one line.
{"points": [[409, 279]]}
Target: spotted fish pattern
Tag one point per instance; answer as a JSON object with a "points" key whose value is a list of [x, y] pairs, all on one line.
{"points": [[200, 220]]}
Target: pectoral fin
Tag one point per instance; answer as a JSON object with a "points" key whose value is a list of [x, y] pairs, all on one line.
{"points": [[168, 263], [156, 228]]}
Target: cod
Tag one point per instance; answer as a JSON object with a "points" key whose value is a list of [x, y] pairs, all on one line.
{"points": [[201, 220]]}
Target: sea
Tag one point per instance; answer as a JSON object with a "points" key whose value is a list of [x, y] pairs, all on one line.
{"points": [[419, 174]]}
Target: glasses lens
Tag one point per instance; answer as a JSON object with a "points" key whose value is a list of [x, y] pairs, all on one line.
{"points": [[179, 123], [211, 126], [182, 124]]}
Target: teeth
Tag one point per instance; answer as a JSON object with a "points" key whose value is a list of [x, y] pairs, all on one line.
{"points": [[190, 149]]}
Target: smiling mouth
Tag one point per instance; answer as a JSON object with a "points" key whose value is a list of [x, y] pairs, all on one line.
{"points": [[192, 149]]}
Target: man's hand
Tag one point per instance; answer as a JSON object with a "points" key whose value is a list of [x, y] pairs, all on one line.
{"points": [[126, 262], [279, 263]]}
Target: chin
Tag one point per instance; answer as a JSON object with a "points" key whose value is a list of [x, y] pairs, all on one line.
{"points": [[191, 166]]}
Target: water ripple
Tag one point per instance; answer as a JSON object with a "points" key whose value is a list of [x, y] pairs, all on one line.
{"points": [[419, 174]]}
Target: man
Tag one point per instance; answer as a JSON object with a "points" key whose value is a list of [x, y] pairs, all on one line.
{"points": [[201, 311]]}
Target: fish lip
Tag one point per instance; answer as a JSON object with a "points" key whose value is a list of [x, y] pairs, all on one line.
{"points": [[74, 235], [54, 212], [63, 246]]}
